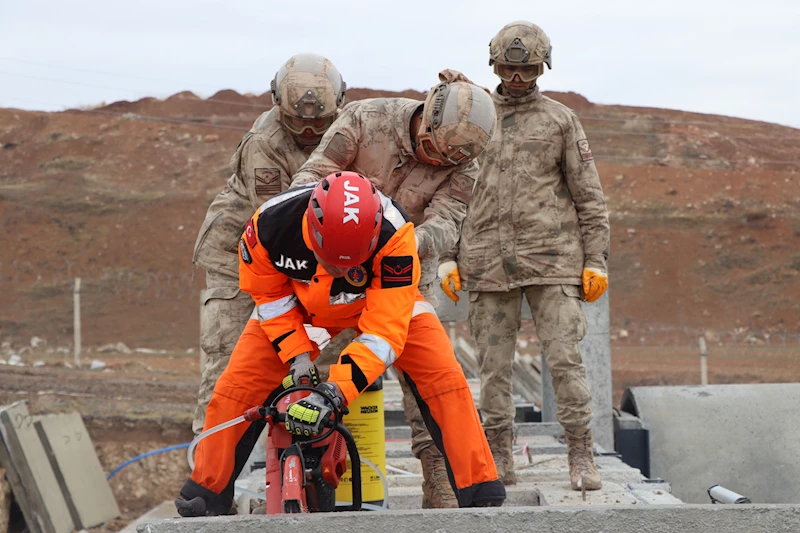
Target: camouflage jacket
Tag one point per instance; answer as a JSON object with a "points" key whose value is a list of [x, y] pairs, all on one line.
{"points": [[262, 166], [373, 137], [538, 215]]}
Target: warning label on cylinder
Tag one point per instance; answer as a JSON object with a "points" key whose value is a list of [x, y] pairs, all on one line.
{"points": [[365, 422]]}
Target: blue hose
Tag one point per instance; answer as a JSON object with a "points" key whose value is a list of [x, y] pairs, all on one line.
{"points": [[148, 454]]}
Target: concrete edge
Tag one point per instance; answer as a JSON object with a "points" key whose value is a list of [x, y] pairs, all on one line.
{"points": [[617, 518]]}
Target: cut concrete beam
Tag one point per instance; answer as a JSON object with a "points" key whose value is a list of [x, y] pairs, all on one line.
{"points": [[33, 481], [591, 519], [160, 512], [77, 468], [743, 437], [522, 430]]}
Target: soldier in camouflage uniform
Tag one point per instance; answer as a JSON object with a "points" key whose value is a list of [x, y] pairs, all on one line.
{"points": [[537, 225], [308, 92], [422, 155]]}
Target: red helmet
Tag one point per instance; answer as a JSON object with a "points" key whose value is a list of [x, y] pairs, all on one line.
{"points": [[344, 219]]}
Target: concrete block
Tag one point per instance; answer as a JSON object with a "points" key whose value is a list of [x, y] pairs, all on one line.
{"points": [[561, 494], [634, 518], [77, 469], [655, 497], [520, 495], [627, 421], [31, 476], [743, 437], [160, 512]]}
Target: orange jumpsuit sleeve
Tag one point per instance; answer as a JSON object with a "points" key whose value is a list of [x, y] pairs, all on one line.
{"points": [[386, 316], [277, 308]]}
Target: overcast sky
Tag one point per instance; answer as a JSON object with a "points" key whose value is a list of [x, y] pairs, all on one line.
{"points": [[730, 57]]}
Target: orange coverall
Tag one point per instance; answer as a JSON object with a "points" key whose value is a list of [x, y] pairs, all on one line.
{"points": [[381, 299]]}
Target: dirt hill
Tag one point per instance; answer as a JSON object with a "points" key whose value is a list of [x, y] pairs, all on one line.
{"points": [[705, 213]]}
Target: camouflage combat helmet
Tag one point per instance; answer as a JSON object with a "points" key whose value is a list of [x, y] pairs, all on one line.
{"points": [[309, 91], [458, 120], [520, 48]]}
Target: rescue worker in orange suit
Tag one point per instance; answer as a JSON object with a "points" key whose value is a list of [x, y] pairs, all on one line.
{"points": [[336, 254]]}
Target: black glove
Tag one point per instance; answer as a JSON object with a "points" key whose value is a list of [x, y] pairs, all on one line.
{"points": [[301, 373], [308, 416]]}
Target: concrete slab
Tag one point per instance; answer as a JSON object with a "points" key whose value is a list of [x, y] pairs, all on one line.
{"points": [[651, 496], [156, 514], [33, 481], [403, 498], [561, 494], [77, 468], [589, 519], [743, 437]]}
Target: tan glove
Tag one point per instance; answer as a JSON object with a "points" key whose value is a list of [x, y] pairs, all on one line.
{"points": [[448, 274], [595, 283]]}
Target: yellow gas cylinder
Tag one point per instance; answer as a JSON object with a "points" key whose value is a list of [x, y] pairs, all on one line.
{"points": [[365, 422]]}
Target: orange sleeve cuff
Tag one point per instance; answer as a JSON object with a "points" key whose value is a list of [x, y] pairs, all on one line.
{"points": [[342, 375], [292, 345]]}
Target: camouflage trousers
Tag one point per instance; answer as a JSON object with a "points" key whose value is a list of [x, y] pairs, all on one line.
{"points": [[494, 321], [224, 311]]}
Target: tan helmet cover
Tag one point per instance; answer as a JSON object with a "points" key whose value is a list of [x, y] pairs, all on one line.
{"points": [[308, 86], [520, 43], [458, 120]]}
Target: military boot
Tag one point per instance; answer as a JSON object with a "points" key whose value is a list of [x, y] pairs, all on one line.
{"points": [[580, 452], [436, 490], [500, 442]]}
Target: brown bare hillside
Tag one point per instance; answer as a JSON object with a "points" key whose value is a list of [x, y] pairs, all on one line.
{"points": [[705, 216]]}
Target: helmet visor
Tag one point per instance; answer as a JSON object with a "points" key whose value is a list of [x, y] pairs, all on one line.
{"points": [[299, 125], [525, 72]]}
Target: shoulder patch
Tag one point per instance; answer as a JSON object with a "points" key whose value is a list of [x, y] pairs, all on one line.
{"points": [[584, 150], [340, 150], [250, 234], [246, 257], [268, 181], [461, 187], [397, 271]]}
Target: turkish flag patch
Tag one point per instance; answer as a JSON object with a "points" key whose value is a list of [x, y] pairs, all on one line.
{"points": [[250, 234], [584, 150], [397, 271]]}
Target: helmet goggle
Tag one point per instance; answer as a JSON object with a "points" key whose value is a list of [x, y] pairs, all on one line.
{"points": [[299, 125], [525, 72]]}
